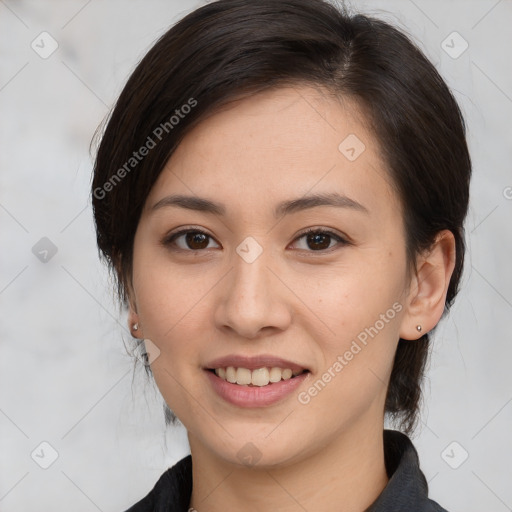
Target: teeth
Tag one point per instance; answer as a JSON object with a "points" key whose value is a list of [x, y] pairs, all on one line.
{"points": [[275, 374], [230, 374], [287, 374], [258, 377], [243, 376]]}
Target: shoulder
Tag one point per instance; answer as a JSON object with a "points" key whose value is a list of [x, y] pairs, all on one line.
{"points": [[172, 491]]}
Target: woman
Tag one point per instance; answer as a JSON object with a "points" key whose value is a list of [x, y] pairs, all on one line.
{"points": [[281, 190]]}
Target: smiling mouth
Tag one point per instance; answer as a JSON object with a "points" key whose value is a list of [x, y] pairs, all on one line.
{"points": [[258, 377]]}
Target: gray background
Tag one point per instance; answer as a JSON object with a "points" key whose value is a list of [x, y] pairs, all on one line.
{"points": [[65, 376]]}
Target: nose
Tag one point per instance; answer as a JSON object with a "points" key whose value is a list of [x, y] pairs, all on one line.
{"points": [[253, 299]]}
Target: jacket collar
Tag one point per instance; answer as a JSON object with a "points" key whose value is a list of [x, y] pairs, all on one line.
{"points": [[407, 488]]}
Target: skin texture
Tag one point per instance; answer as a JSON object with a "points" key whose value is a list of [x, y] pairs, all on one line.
{"points": [[295, 301]]}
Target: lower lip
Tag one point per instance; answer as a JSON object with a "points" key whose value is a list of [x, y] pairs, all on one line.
{"points": [[255, 396]]}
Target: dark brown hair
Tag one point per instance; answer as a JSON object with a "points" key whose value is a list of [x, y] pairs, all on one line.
{"points": [[231, 49]]}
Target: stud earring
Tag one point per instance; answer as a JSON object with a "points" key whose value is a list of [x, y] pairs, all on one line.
{"points": [[135, 327], [418, 328]]}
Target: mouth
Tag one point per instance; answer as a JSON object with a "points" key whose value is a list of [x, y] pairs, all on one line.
{"points": [[258, 386], [255, 381]]}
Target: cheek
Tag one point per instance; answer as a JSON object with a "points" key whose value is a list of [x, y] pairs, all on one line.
{"points": [[350, 299], [363, 313], [166, 300], [341, 300], [334, 303], [172, 305]]}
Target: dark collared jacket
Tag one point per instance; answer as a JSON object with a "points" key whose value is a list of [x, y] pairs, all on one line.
{"points": [[406, 491]]}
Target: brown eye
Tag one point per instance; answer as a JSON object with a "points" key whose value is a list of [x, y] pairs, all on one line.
{"points": [[317, 240], [192, 240], [196, 240]]}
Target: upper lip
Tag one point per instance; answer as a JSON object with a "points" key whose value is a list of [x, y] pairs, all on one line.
{"points": [[251, 363]]}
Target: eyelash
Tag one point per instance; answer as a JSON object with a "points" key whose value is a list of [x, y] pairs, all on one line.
{"points": [[170, 239]]}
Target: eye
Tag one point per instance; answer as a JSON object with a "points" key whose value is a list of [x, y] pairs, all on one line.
{"points": [[318, 240], [193, 239]]}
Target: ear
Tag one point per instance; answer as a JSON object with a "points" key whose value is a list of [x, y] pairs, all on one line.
{"points": [[428, 287], [133, 316]]}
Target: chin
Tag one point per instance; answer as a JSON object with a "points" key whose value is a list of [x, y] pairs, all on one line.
{"points": [[253, 447]]}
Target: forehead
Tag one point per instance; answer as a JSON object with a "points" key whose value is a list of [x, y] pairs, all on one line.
{"points": [[278, 144]]}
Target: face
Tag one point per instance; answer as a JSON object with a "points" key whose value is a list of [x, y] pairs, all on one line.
{"points": [[245, 279]]}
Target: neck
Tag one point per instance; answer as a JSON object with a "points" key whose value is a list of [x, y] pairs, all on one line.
{"points": [[347, 475]]}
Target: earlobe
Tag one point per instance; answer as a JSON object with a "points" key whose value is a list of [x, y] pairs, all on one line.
{"points": [[133, 316], [133, 321], [427, 295], [129, 297]]}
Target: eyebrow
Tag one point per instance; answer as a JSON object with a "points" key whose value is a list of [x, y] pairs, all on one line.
{"points": [[284, 208]]}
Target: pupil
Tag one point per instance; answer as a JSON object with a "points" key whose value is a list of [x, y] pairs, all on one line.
{"points": [[194, 238], [316, 238]]}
